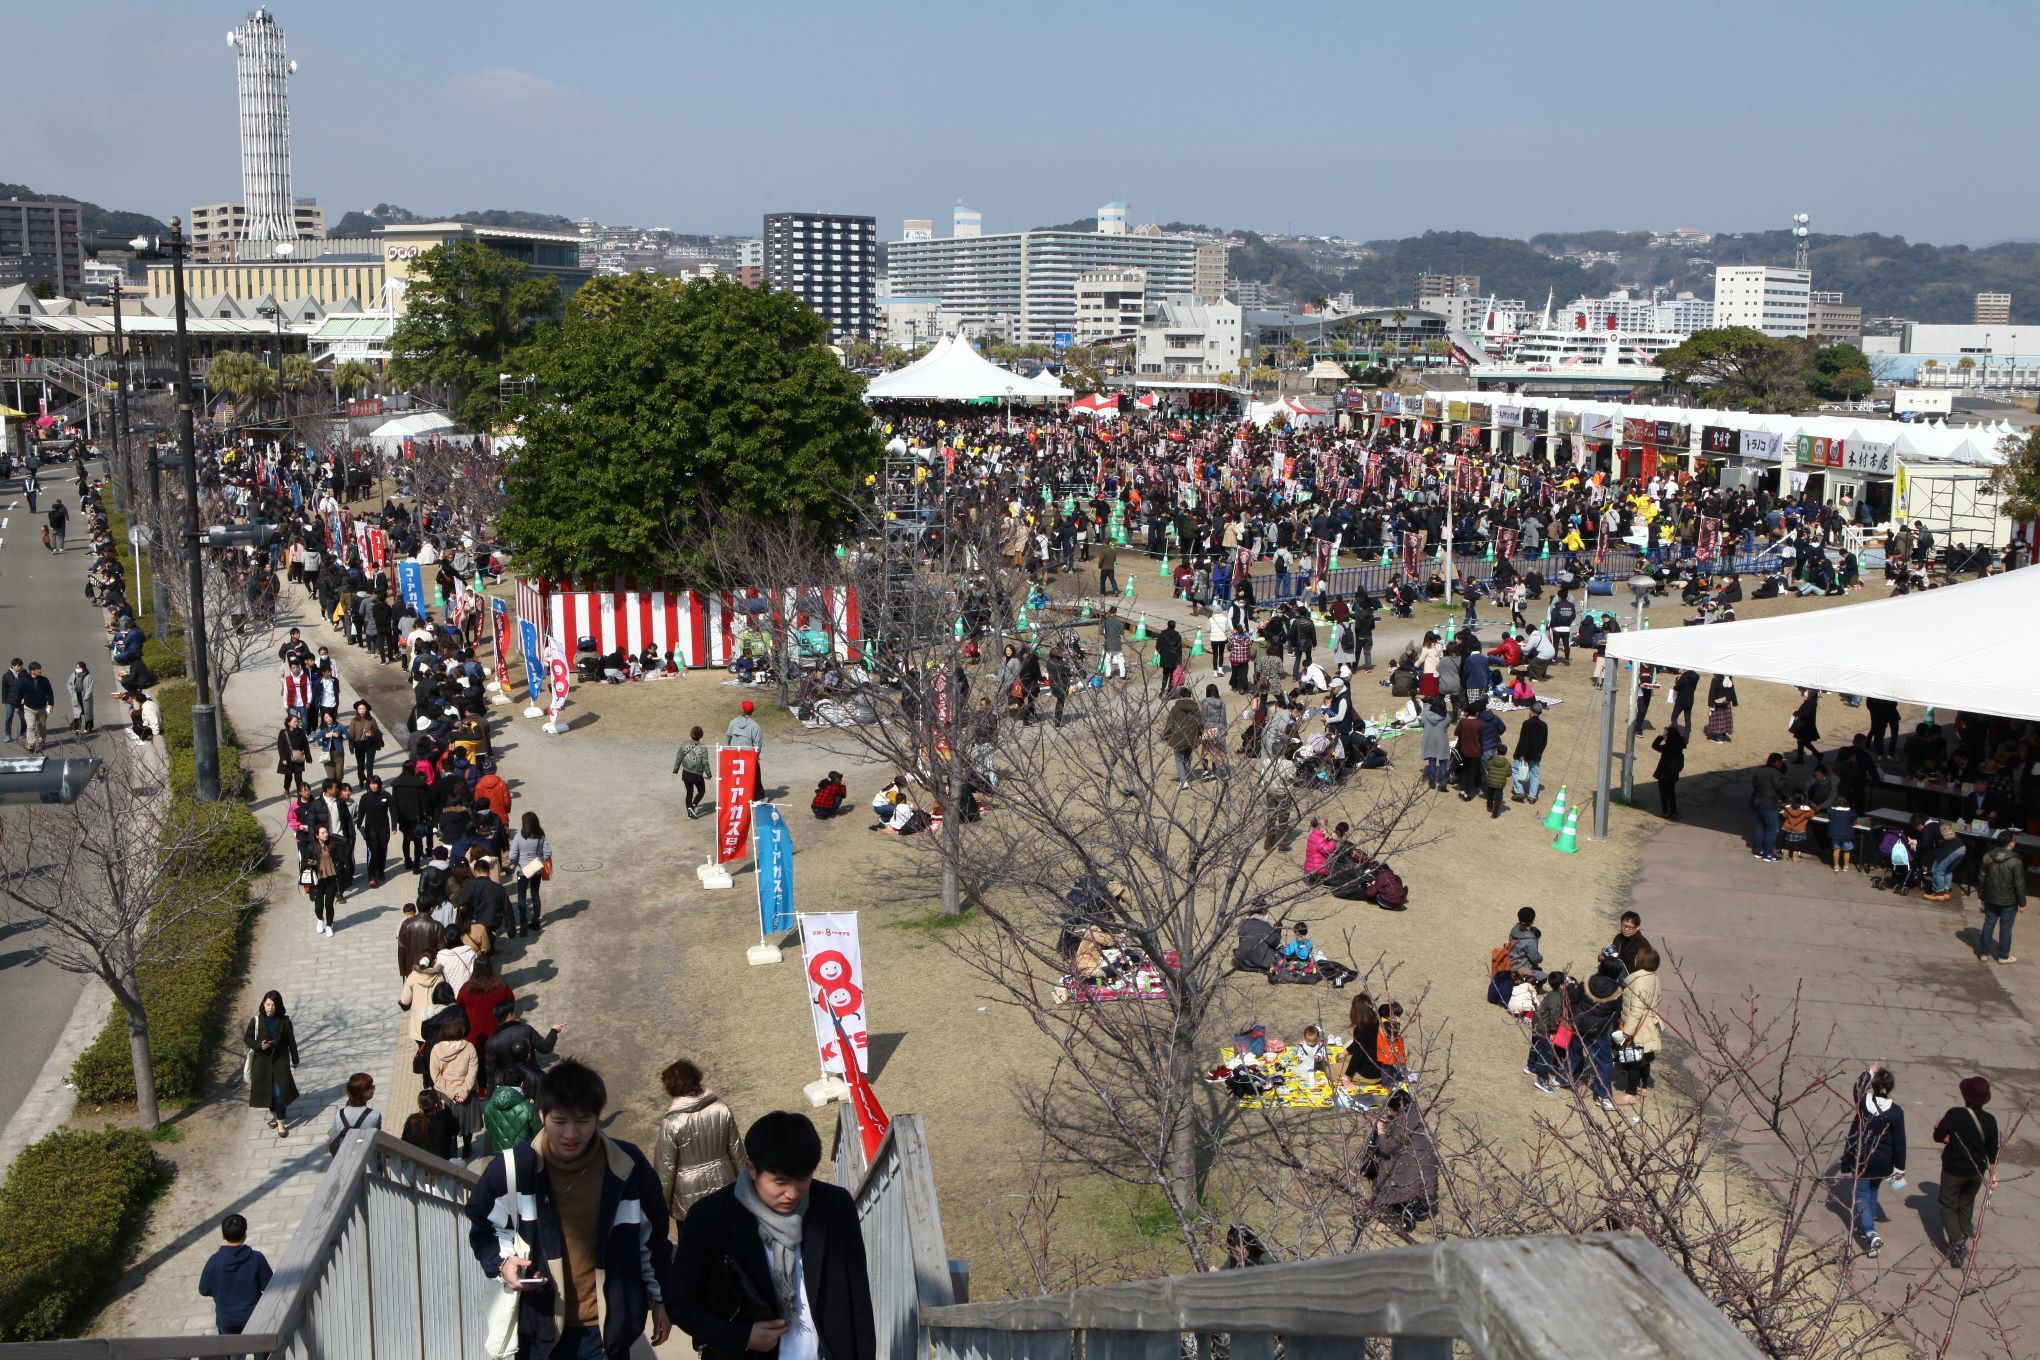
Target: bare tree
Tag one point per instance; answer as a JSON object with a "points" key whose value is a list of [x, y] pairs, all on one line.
{"points": [[459, 481], [238, 601], [115, 874]]}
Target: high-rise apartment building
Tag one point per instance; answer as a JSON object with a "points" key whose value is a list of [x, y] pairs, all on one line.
{"points": [[830, 262], [1776, 301], [43, 236], [1447, 285], [1993, 309], [966, 222], [263, 70], [1112, 219], [1026, 281], [215, 227], [1209, 279]]}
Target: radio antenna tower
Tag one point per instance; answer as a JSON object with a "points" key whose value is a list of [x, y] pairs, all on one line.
{"points": [[263, 70], [1800, 233]]}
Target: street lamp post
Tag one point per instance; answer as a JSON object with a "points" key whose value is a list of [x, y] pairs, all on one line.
{"points": [[123, 490], [205, 731], [1451, 486]]}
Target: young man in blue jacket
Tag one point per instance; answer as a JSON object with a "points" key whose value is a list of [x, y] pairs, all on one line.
{"points": [[593, 1219], [234, 1277]]}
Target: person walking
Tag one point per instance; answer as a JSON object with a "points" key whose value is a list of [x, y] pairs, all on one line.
{"points": [[1684, 691], [1670, 745], [58, 517], [1182, 730], [795, 1246], [411, 805], [1767, 801], [530, 860], [454, 1067], [372, 820], [1112, 643], [1968, 1135], [1527, 774], [1108, 564], [596, 1248], [691, 763], [1805, 727], [1406, 1164], [699, 1150], [356, 1115], [79, 687], [10, 697], [37, 698], [272, 1052], [744, 734], [1874, 1151], [319, 875], [2001, 886], [234, 1277], [364, 738]]}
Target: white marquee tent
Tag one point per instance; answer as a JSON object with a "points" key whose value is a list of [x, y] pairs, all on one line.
{"points": [[412, 426], [953, 371], [1970, 647]]}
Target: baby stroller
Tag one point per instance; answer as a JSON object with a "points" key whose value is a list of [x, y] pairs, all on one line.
{"points": [[1901, 874]]}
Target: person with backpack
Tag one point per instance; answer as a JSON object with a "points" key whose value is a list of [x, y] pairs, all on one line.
{"points": [[1595, 1005], [356, 1114], [1874, 1151]]}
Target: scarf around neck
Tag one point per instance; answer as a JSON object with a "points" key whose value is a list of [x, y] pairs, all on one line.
{"points": [[782, 1234]]}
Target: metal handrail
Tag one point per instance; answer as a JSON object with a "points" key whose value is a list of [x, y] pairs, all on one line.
{"points": [[1506, 1299]]}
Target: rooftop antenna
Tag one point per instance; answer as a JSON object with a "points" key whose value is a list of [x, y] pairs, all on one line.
{"points": [[1800, 232]]}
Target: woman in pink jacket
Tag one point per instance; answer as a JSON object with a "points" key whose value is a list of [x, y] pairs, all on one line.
{"points": [[1319, 848]]}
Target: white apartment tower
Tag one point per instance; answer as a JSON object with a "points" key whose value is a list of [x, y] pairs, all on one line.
{"points": [[264, 70], [1776, 301], [1112, 220]]}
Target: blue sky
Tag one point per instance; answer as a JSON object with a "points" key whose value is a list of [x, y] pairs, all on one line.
{"points": [[1360, 120]]}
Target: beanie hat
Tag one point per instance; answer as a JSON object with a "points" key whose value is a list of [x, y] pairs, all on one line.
{"points": [[1975, 1090]]}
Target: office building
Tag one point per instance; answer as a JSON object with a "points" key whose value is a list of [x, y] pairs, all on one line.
{"points": [[263, 70], [1776, 301], [44, 237], [1993, 309], [1447, 285], [544, 254], [966, 222], [215, 227], [1110, 304], [1183, 339], [1027, 280], [1208, 281], [830, 262], [1832, 321]]}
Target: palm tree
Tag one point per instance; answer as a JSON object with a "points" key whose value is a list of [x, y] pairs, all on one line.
{"points": [[352, 376], [298, 374], [241, 376]]}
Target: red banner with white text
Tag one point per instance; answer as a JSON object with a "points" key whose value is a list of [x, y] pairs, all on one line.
{"points": [[736, 777]]}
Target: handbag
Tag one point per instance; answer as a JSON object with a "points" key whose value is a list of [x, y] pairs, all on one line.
{"points": [[308, 877], [1629, 1055], [1562, 1037], [547, 875], [501, 1334]]}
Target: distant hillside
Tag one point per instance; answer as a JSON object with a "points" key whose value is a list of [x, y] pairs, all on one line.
{"points": [[359, 223], [94, 219]]}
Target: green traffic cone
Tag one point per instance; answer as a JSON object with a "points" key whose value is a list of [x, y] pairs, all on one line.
{"points": [[1129, 588], [1197, 644], [959, 630], [1384, 557], [841, 552], [1544, 553], [1568, 842], [438, 598], [1140, 632], [1163, 570], [1555, 819], [1087, 608], [1451, 627], [1020, 619], [1335, 561]]}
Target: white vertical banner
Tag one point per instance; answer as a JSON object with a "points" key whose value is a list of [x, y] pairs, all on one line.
{"points": [[833, 969]]}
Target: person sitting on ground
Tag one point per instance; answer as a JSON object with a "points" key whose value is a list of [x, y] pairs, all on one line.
{"points": [[1258, 939], [830, 792]]}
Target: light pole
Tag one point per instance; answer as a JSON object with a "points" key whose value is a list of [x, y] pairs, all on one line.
{"points": [[123, 490], [1451, 486], [1640, 586]]}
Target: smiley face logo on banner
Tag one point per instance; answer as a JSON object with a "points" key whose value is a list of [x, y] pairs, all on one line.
{"points": [[830, 972]]}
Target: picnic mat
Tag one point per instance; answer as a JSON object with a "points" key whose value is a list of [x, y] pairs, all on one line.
{"points": [[1302, 1089], [1144, 985]]}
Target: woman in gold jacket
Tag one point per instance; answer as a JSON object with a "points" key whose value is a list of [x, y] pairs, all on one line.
{"points": [[699, 1147]]}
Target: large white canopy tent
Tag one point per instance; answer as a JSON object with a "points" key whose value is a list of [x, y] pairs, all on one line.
{"points": [[1970, 647], [953, 371], [412, 426]]}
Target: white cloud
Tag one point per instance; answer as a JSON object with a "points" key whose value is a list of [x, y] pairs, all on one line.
{"points": [[506, 87]]}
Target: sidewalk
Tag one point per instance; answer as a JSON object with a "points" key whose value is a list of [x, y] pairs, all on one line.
{"points": [[1881, 978]]}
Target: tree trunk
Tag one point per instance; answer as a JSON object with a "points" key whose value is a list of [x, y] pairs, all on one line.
{"points": [[147, 1115], [952, 832]]}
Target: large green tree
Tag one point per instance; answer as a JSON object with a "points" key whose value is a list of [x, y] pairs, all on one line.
{"points": [[469, 316], [668, 414], [1739, 367], [1840, 373], [2017, 476]]}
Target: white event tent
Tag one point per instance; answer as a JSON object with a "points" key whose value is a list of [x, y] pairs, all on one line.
{"points": [[1970, 647], [953, 371], [412, 426]]}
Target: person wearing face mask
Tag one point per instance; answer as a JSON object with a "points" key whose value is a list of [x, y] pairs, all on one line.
{"points": [[79, 687], [775, 1259]]}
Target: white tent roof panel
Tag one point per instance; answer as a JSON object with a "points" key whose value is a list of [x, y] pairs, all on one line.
{"points": [[1970, 647], [953, 371]]}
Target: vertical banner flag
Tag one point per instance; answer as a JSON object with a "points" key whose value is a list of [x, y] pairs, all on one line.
{"points": [[872, 1121], [379, 544], [1506, 550], [558, 673], [534, 661], [499, 635], [736, 769], [835, 983], [1412, 550], [1709, 545], [775, 873], [1601, 540], [411, 584]]}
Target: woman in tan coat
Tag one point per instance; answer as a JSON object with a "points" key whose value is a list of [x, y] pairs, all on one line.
{"points": [[456, 1071], [1641, 1029], [699, 1147], [415, 1000]]}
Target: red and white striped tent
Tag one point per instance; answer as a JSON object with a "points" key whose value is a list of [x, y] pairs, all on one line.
{"points": [[1097, 404], [1148, 401], [700, 628]]}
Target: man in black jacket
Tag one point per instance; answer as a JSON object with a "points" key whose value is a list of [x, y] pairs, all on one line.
{"points": [[1527, 773], [1767, 800], [411, 804], [1258, 937], [1968, 1136], [372, 815], [776, 1259]]}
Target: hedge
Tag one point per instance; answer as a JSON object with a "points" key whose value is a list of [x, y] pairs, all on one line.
{"points": [[158, 654], [67, 1211], [185, 999]]}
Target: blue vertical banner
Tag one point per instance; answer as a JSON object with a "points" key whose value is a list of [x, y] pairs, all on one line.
{"points": [[534, 662], [774, 850], [411, 585]]}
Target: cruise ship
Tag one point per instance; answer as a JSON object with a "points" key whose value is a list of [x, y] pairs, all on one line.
{"points": [[1555, 358]]}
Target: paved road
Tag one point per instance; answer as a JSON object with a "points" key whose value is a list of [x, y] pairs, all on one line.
{"points": [[43, 617]]}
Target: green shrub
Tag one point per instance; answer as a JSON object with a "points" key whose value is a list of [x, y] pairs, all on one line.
{"points": [[67, 1211], [185, 999], [162, 658]]}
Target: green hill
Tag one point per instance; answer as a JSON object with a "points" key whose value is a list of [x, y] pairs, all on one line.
{"points": [[360, 223]]}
